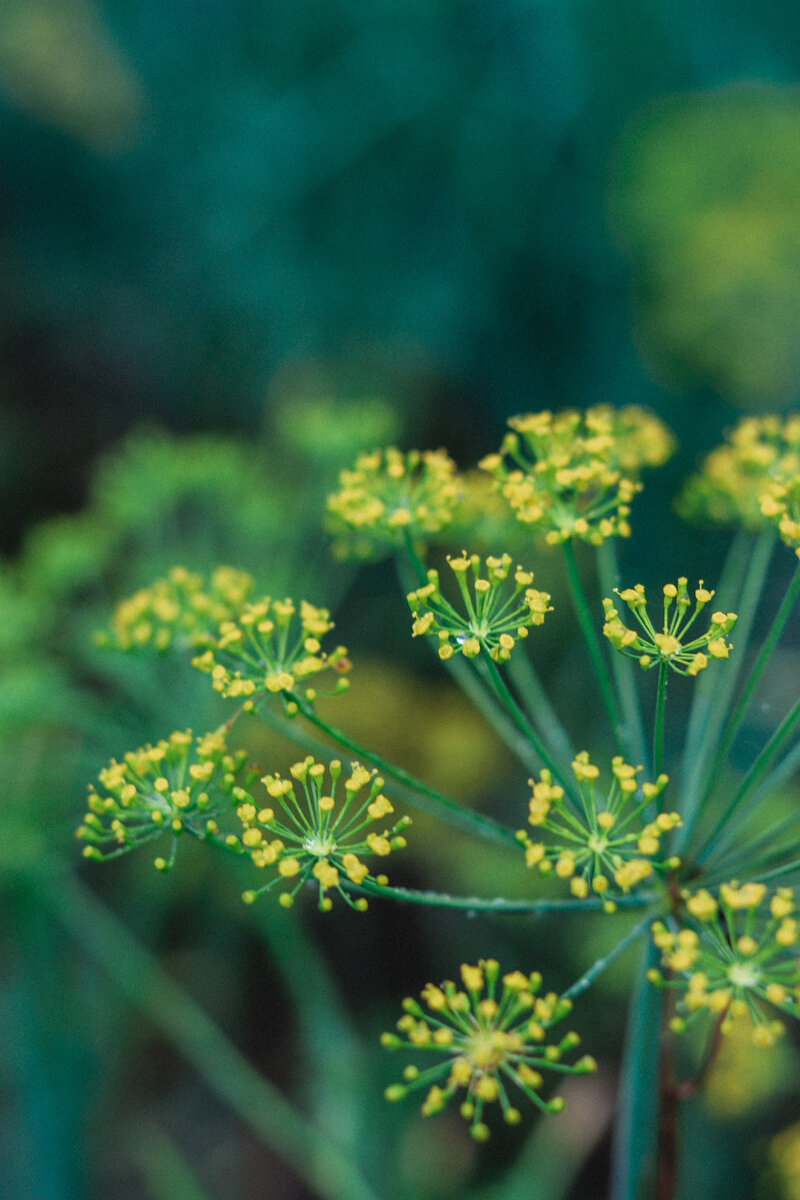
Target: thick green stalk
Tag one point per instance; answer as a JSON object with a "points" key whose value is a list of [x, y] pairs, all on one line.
{"points": [[315, 1159], [587, 627], [426, 798], [634, 1152], [622, 665]]}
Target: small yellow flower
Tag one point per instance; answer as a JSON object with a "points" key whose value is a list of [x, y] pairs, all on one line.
{"points": [[183, 609], [498, 609], [316, 837], [389, 496], [483, 1042], [735, 954], [573, 475], [271, 648], [601, 844], [741, 483], [177, 786], [672, 644]]}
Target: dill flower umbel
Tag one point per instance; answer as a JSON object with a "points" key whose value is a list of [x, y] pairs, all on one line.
{"points": [[602, 845], [489, 1034], [728, 488], [497, 613], [575, 474], [183, 608], [389, 496], [780, 504], [315, 837], [177, 786], [272, 648], [731, 955], [669, 644]]}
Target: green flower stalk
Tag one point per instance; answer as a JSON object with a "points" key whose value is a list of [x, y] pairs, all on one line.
{"points": [[271, 648], [669, 645], [316, 838], [605, 846], [732, 955], [184, 609], [177, 786], [497, 613], [388, 497], [574, 475], [490, 1035]]}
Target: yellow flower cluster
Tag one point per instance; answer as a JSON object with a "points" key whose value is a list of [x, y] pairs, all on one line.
{"points": [[271, 648], [734, 952], [316, 838], [496, 613], [177, 786], [669, 644], [602, 848], [486, 1036], [184, 607], [574, 475], [758, 453], [389, 496], [781, 505]]}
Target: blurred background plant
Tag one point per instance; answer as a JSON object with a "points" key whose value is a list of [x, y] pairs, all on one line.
{"points": [[225, 231]]}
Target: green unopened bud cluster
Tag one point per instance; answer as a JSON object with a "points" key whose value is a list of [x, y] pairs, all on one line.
{"points": [[671, 644], [497, 610]]}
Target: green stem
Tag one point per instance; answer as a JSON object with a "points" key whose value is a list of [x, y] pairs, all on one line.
{"points": [[525, 679], [315, 1159], [658, 729], [621, 665], [588, 978], [587, 628], [426, 798], [714, 690], [739, 565], [764, 655], [497, 905], [635, 1136], [498, 685], [769, 752], [744, 860]]}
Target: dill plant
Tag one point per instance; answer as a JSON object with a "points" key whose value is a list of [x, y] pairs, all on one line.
{"points": [[668, 836]]}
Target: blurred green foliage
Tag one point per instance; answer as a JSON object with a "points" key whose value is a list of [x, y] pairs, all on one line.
{"points": [[707, 205]]}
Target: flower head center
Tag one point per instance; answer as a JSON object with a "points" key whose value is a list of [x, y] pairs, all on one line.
{"points": [[320, 845], [488, 1048], [743, 975]]}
